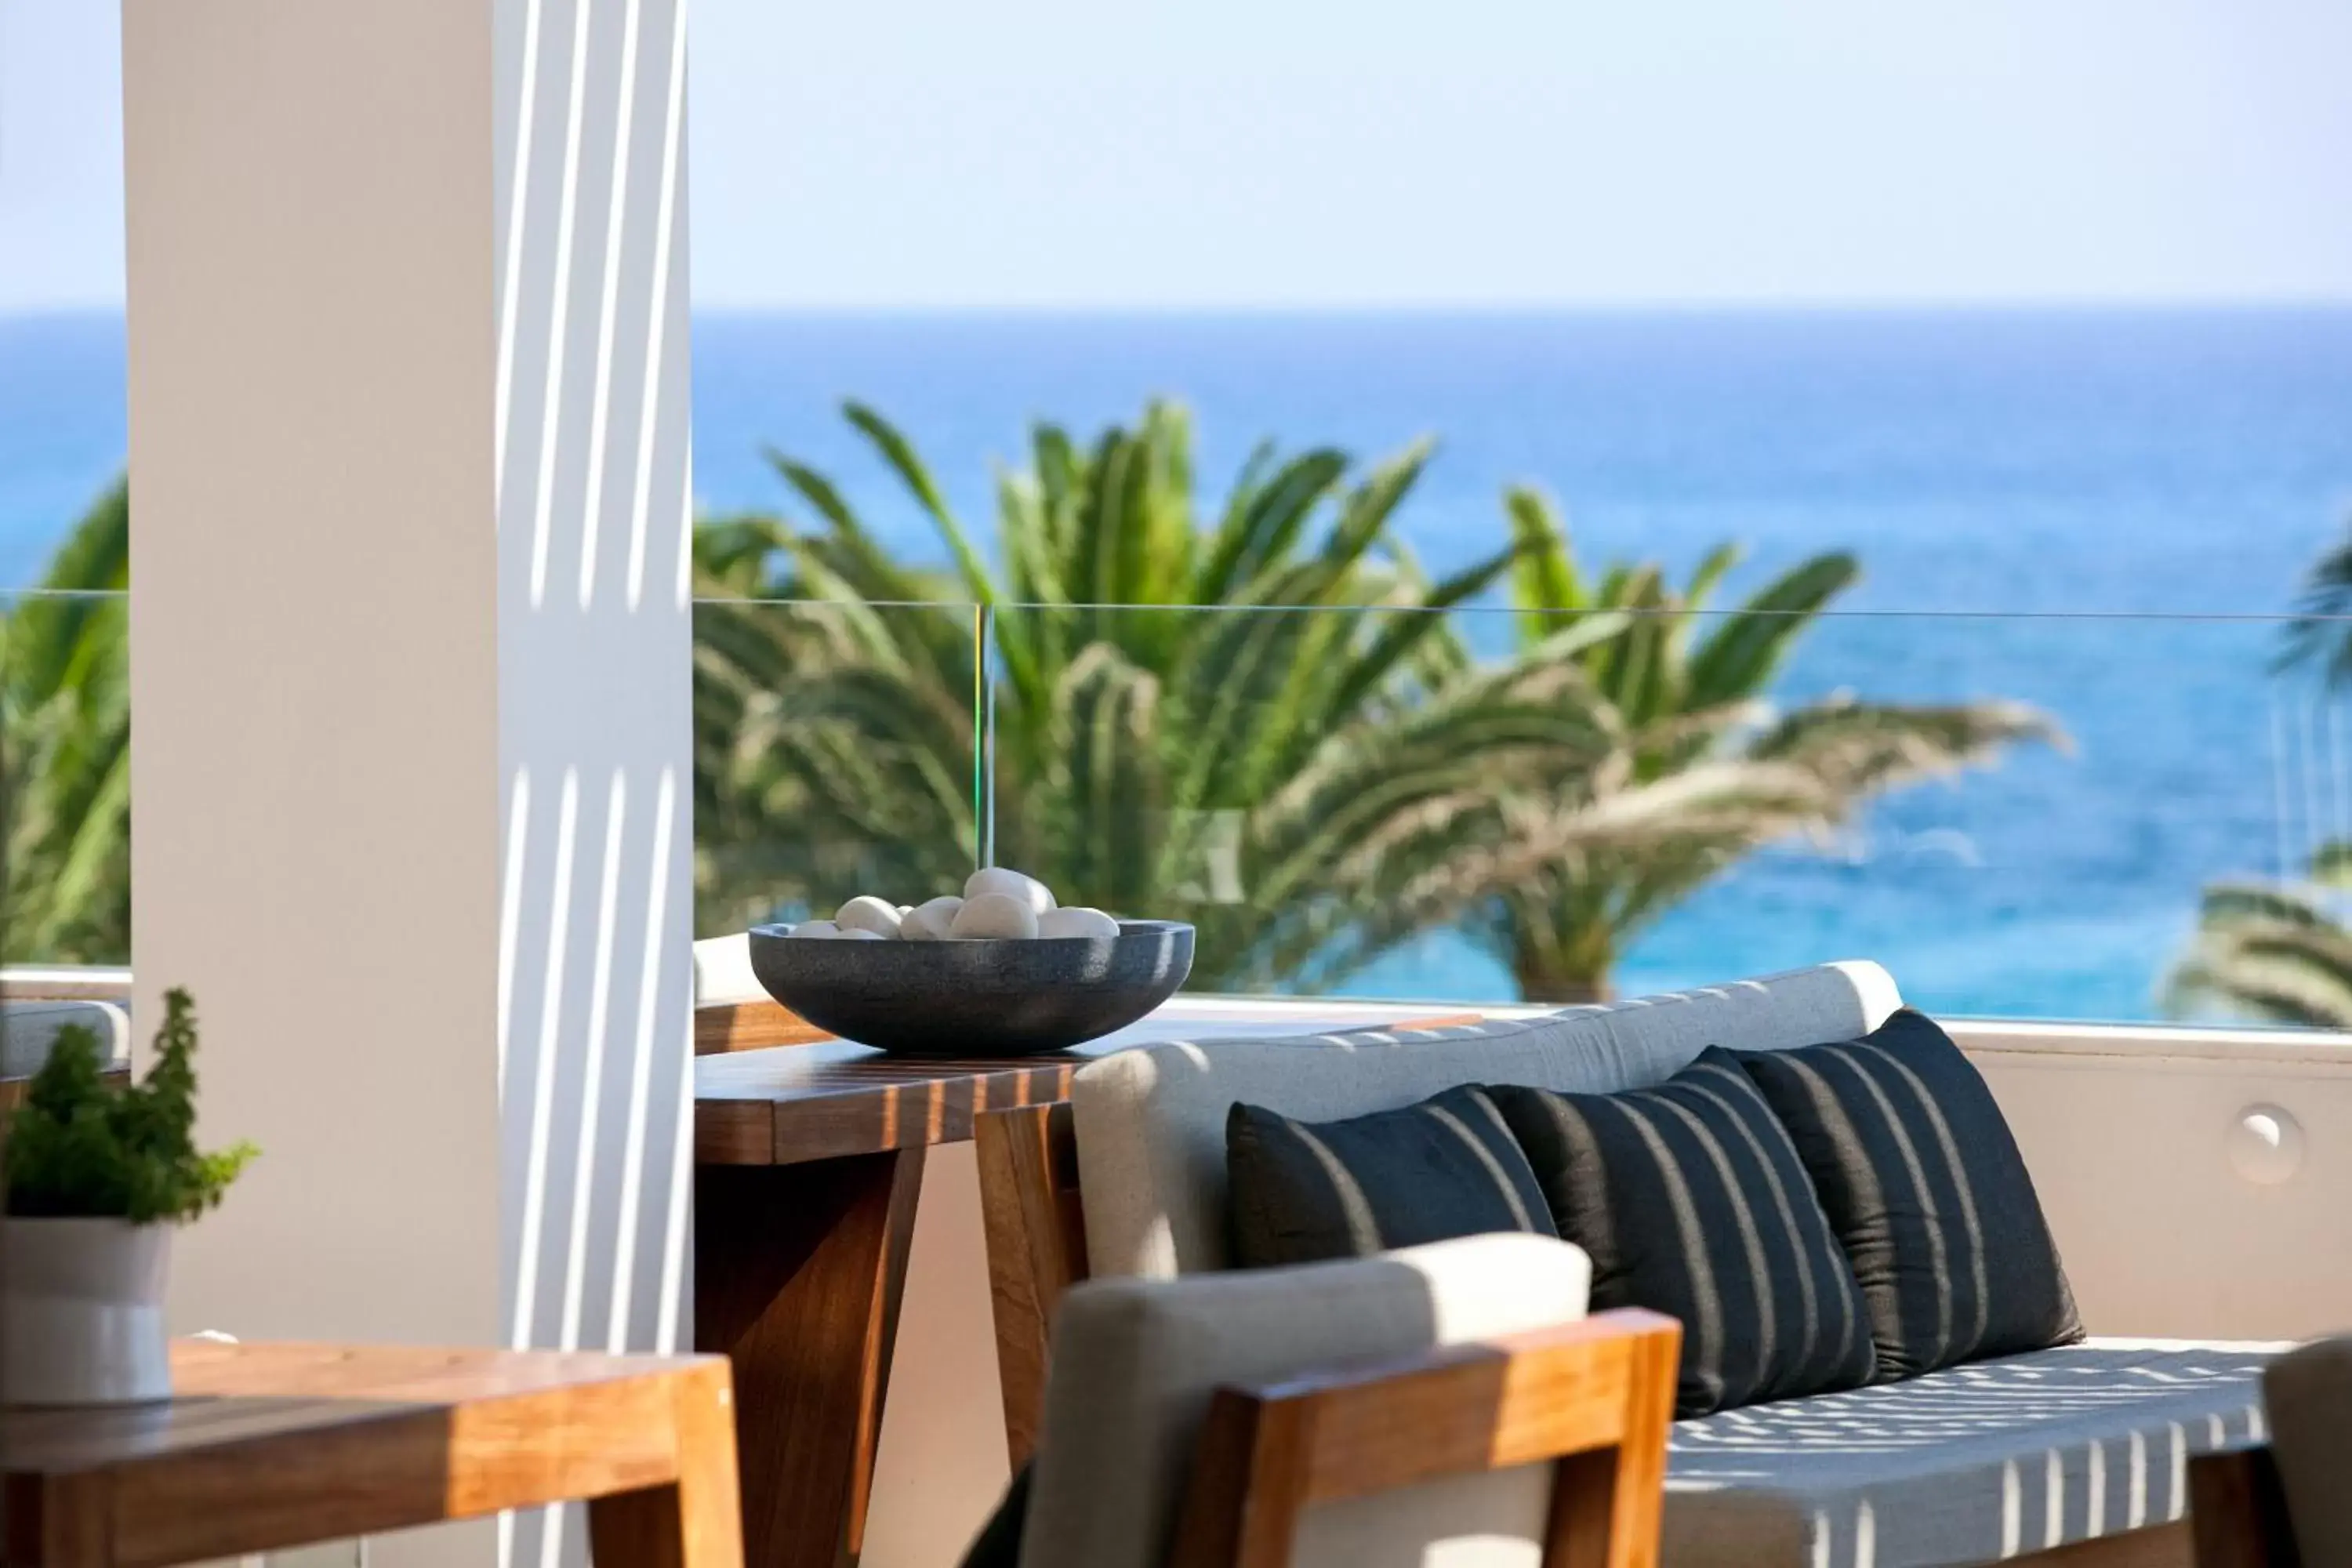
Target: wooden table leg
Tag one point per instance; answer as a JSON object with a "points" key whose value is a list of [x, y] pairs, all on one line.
{"points": [[697, 1520], [797, 1277]]}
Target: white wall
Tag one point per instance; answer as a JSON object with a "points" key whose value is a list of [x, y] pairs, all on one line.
{"points": [[594, 647], [314, 642], [410, 653], [2136, 1141]]}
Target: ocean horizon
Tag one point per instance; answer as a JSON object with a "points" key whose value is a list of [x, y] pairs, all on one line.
{"points": [[2102, 512]]}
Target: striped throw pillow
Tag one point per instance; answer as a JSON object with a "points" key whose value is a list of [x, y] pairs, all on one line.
{"points": [[1302, 1191], [1927, 1194], [1692, 1202]]}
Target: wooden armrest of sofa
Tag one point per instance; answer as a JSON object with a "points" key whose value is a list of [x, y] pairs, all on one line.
{"points": [[1596, 1395]]}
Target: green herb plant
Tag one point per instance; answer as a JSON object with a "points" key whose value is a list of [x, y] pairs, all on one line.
{"points": [[82, 1147]]}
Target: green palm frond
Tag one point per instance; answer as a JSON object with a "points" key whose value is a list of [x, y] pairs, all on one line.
{"points": [[2331, 864], [1543, 573], [2268, 953], [1740, 657], [65, 722], [1703, 773], [2320, 635], [1859, 748], [2272, 952]]}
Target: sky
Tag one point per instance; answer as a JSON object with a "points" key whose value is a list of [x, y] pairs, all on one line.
{"points": [[1240, 154]]}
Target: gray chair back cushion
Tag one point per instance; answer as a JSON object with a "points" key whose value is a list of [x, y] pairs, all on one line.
{"points": [[2309, 1393], [1151, 1121], [1136, 1361]]}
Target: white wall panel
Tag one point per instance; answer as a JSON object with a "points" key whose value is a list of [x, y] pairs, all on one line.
{"points": [[410, 660]]}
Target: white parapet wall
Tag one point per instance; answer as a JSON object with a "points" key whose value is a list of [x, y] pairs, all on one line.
{"points": [[2199, 1181]]}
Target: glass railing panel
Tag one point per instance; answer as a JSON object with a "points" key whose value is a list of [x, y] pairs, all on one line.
{"points": [[65, 773], [834, 754], [2021, 816]]}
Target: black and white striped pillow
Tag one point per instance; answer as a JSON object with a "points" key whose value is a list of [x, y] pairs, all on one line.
{"points": [[1304, 1191], [1927, 1194], [1691, 1201]]}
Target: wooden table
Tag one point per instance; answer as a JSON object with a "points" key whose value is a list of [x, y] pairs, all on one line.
{"points": [[272, 1445], [808, 1160]]}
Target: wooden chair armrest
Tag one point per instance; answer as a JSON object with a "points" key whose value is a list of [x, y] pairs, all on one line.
{"points": [[2237, 1511], [1602, 1388]]}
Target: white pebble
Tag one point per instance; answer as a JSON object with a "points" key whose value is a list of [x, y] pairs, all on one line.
{"points": [[822, 931], [931, 921], [866, 913], [1011, 883], [851, 933], [996, 915], [1078, 920]]}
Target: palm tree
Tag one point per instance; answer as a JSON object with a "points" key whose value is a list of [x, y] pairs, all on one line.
{"points": [[2321, 632], [65, 721], [2277, 950], [1256, 720], [1702, 768], [2279, 954]]}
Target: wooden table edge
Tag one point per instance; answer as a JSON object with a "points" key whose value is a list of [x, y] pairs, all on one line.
{"points": [[634, 1434], [748, 1128]]}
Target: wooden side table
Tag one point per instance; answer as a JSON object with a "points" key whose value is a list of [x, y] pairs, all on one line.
{"points": [[808, 1159], [271, 1446]]}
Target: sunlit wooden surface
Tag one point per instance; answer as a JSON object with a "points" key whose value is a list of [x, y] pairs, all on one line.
{"points": [[271, 1446]]}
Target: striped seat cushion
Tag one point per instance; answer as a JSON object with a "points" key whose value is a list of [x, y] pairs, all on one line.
{"points": [[1691, 1201], [1972, 1464], [1927, 1194]]}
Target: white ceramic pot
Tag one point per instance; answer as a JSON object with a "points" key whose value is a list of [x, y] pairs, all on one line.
{"points": [[81, 1312]]}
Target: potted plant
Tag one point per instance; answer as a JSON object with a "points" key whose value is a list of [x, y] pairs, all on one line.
{"points": [[97, 1174]]}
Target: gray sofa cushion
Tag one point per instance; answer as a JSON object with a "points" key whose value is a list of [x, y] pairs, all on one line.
{"points": [[1151, 1121], [1972, 1464]]}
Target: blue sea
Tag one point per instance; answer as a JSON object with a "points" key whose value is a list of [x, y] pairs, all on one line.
{"points": [[2099, 513]]}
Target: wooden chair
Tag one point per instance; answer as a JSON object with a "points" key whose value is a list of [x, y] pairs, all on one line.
{"points": [[1332, 1413], [1594, 1398]]}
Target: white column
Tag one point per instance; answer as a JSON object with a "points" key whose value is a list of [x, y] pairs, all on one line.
{"points": [[410, 652]]}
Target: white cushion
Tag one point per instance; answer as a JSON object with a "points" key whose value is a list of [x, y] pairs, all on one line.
{"points": [[722, 970], [1151, 1121], [1135, 1363], [29, 1029]]}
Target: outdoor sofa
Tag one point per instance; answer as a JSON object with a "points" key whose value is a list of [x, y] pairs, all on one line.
{"points": [[2080, 1451]]}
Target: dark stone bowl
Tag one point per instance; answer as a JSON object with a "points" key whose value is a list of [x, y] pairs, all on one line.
{"points": [[1002, 998]]}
